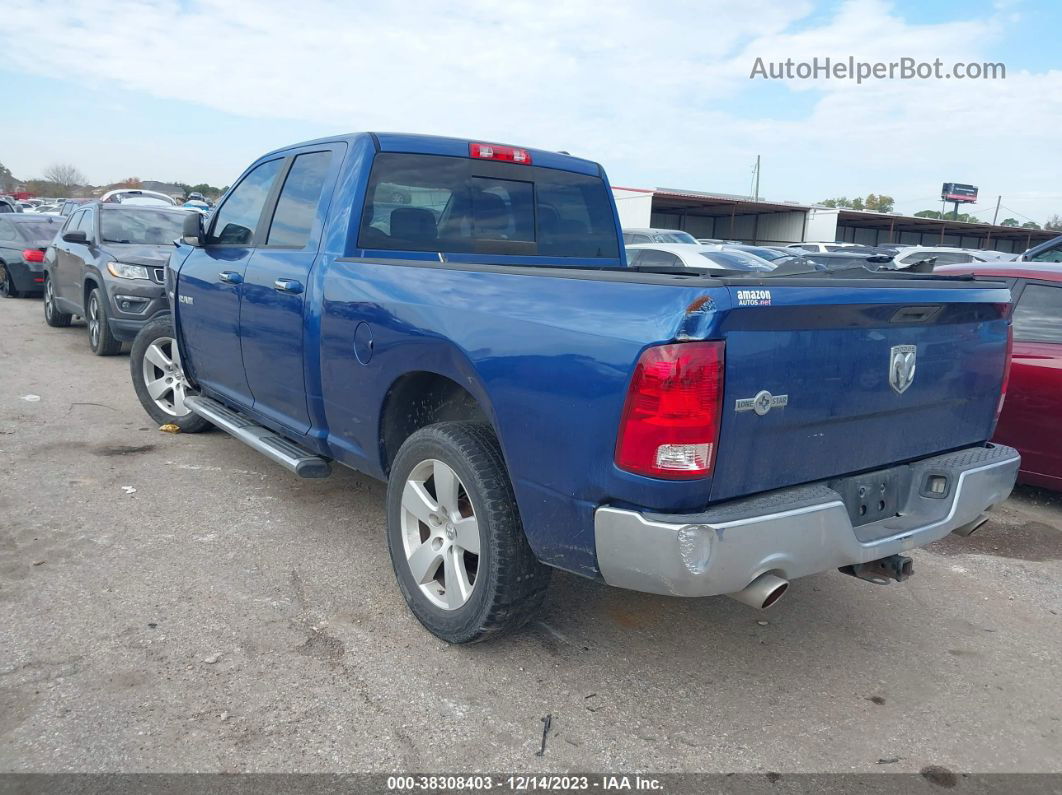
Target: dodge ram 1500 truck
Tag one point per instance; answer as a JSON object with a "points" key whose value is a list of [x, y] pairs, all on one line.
{"points": [[458, 318]]}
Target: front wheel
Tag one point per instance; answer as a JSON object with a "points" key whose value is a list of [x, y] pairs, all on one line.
{"points": [[454, 533], [158, 377], [101, 340], [52, 316]]}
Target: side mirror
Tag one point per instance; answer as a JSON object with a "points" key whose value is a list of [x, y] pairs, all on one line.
{"points": [[193, 233], [76, 237]]}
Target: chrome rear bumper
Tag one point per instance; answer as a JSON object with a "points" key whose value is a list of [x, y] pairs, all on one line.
{"points": [[794, 532]]}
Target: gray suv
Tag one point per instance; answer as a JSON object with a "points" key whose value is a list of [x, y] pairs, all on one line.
{"points": [[108, 266]]}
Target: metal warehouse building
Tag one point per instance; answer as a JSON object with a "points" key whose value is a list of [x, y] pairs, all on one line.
{"points": [[730, 217]]}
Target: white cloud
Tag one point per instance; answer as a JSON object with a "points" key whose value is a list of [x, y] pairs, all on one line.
{"points": [[649, 89]]}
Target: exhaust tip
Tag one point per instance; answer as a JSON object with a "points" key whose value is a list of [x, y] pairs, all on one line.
{"points": [[775, 595], [762, 592], [972, 527]]}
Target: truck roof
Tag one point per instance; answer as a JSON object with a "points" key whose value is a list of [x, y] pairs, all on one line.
{"points": [[412, 143]]}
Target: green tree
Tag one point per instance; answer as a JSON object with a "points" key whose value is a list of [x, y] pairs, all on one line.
{"points": [[1009, 222], [1030, 225], [1054, 223], [880, 203], [928, 214]]}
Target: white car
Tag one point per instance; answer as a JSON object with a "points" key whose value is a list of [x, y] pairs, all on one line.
{"points": [[692, 255], [137, 196], [823, 248], [944, 255], [647, 235]]}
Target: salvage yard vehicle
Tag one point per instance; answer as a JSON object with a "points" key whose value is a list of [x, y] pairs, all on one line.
{"points": [[144, 198], [532, 402], [683, 255], [941, 255], [1031, 420], [634, 236], [107, 266], [23, 239]]}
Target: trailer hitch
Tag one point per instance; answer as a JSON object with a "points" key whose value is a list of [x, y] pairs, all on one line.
{"points": [[894, 567]]}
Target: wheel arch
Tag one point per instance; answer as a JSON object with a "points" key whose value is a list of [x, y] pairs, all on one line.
{"points": [[418, 398], [92, 281]]}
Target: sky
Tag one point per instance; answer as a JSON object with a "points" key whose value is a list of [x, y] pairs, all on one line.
{"points": [[659, 93]]}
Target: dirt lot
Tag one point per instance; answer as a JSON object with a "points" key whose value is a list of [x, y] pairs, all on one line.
{"points": [[226, 616]]}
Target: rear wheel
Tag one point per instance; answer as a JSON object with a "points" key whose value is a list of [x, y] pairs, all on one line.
{"points": [[52, 316], [158, 377], [102, 342], [7, 284], [453, 529]]}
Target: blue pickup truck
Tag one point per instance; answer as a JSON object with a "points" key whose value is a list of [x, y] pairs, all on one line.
{"points": [[458, 319]]}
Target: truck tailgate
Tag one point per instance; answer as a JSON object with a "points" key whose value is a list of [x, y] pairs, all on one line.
{"points": [[858, 379]]}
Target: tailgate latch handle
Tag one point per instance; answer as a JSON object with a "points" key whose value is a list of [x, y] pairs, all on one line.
{"points": [[916, 314]]}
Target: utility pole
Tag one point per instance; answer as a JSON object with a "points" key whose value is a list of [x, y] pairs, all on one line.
{"points": [[756, 190], [995, 215]]}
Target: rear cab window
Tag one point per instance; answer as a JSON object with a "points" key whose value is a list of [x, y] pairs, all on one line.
{"points": [[455, 205]]}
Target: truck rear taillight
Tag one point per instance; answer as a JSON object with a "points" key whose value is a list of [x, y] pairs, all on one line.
{"points": [[1006, 370], [32, 255], [670, 423], [510, 154]]}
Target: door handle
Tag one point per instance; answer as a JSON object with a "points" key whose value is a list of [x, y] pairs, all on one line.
{"points": [[230, 277], [288, 286]]}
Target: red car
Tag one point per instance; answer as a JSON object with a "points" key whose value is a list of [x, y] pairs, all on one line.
{"points": [[1032, 412]]}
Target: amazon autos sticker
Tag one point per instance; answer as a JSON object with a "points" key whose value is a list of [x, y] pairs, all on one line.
{"points": [[754, 297]]}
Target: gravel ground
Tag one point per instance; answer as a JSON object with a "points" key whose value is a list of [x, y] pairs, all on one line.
{"points": [[226, 616]]}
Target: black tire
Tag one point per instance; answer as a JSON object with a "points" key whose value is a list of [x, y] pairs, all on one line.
{"points": [[159, 330], [52, 316], [101, 340], [7, 284], [510, 584]]}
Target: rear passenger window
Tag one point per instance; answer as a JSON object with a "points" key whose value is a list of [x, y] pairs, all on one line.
{"points": [[237, 218], [297, 207], [1038, 315], [452, 204]]}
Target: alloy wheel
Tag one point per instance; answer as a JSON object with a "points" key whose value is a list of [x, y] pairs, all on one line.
{"points": [[440, 534], [94, 321], [164, 378]]}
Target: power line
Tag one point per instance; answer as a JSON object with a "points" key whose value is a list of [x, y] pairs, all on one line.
{"points": [[1027, 218]]}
